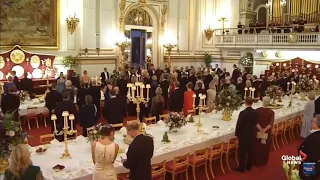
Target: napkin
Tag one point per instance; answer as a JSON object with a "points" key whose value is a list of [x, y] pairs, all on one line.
{"points": [[188, 117], [203, 113], [81, 139], [54, 142], [123, 130], [160, 122]]}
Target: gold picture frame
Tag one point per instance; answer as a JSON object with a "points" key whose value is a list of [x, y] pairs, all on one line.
{"points": [[38, 29]]}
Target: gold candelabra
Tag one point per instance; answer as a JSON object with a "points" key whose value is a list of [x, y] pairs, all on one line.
{"points": [[208, 32], [169, 48], [136, 95], [65, 129], [1, 89], [293, 89], [251, 92], [224, 20], [72, 23], [123, 45], [202, 104]]}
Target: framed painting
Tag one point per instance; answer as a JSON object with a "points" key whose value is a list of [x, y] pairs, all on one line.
{"points": [[31, 24]]}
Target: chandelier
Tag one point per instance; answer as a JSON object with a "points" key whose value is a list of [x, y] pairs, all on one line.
{"points": [[143, 2]]}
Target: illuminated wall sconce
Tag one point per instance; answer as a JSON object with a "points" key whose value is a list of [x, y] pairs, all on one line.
{"points": [[72, 23], [208, 32]]}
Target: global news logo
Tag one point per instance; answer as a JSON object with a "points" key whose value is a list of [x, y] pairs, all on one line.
{"points": [[294, 159], [309, 168]]}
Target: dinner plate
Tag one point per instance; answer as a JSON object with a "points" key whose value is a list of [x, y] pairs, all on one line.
{"points": [[1, 75], [37, 73], [35, 61], [2, 62], [19, 70], [17, 56]]}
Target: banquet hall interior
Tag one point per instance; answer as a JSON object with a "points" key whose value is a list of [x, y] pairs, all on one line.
{"points": [[184, 71]]}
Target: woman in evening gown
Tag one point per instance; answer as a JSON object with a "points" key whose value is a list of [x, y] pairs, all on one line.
{"points": [[61, 83], [104, 153], [264, 124], [188, 99], [308, 116]]}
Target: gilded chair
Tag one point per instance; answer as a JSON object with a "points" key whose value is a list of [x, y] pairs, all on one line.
{"points": [[46, 139], [231, 148], [32, 114], [288, 126], [150, 120], [164, 116], [179, 165], [192, 111], [118, 125], [199, 158], [273, 134], [45, 115], [158, 171], [279, 131], [215, 153], [297, 123]]}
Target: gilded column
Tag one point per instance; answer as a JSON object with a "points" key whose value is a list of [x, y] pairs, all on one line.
{"points": [[246, 11], [163, 17], [122, 5]]}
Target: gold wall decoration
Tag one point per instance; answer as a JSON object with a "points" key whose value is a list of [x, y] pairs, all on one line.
{"points": [[139, 17], [143, 2], [122, 5], [72, 23], [30, 23], [208, 33], [264, 53]]}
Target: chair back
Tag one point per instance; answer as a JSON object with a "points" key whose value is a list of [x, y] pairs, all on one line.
{"points": [[280, 127], [132, 121], [46, 139], [159, 170], [32, 111], [232, 144], [206, 109], [288, 124], [216, 151], [150, 120], [200, 156], [164, 116], [119, 125], [192, 111]]}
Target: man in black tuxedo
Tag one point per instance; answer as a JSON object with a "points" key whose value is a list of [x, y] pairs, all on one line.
{"points": [[122, 84], [176, 103], [139, 154], [81, 94], [65, 105], [165, 86], [317, 107], [75, 80], [113, 111], [236, 73], [95, 92], [26, 84], [15, 79], [183, 82], [152, 71], [311, 147], [217, 69], [52, 98], [104, 75], [123, 99], [240, 87], [245, 132]]}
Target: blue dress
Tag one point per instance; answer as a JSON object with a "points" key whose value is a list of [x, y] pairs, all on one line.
{"points": [[61, 85]]}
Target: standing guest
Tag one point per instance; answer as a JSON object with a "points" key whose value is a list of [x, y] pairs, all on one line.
{"points": [[188, 99], [217, 70], [211, 96], [75, 80], [183, 82], [192, 78], [113, 111], [245, 132], [85, 78], [81, 94], [122, 84], [26, 84], [311, 147], [199, 80], [70, 89], [20, 166], [104, 75], [9, 84], [264, 125], [154, 85], [139, 154], [308, 115], [157, 104], [51, 99], [61, 83], [240, 87], [208, 78], [176, 103], [123, 99], [10, 102], [173, 84], [104, 153], [88, 115], [165, 88], [95, 92], [15, 79], [200, 90], [236, 73], [64, 105]]}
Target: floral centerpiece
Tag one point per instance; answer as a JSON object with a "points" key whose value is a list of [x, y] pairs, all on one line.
{"points": [[94, 133], [291, 172], [23, 95], [175, 121], [11, 135], [304, 86], [228, 100], [274, 92]]}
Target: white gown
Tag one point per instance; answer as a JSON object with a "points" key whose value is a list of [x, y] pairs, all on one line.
{"points": [[104, 156]]}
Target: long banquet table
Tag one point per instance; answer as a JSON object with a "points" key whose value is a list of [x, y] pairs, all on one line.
{"points": [[186, 140]]}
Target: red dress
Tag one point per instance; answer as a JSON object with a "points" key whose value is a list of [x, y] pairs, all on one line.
{"points": [[188, 102]]}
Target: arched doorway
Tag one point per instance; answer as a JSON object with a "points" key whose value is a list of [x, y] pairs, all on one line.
{"points": [[141, 24]]}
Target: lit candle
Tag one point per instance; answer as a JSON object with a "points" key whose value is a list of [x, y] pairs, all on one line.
{"points": [[71, 117], [245, 92], [250, 92], [96, 80], [148, 88], [288, 84], [65, 122], [141, 88], [253, 89], [55, 126], [194, 97], [204, 100], [133, 92], [137, 88], [128, 93], [200, 99]]}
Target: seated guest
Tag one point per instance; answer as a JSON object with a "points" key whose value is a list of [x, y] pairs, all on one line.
{"points": [[88, 115], [157, 104], [113, 111], [308, 115], [64, 105], [70, 89], [176, 103], [245, 132], [211, 96], [26, 84], [264, 125], [311, 147], [51, 99], [20, 166], [10, 102], [9, 84], [188, 99]]}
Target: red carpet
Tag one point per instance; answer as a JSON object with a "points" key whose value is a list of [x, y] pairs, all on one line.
{"points": [[273, 170]]}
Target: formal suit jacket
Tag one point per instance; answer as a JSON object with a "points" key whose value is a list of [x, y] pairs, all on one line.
{"points": [[104, 77], [207, 80], [311, 147], [192, 79], [235, 74], [64, 105], [81, 94], [75, 81], [183, 83], [52, 98], [246, 124], [113, 111], [96, 96], [88, 115], [16, 81], [26, 85], [10, 103], [176, 103], [317, 106], [217, 70], [240, 88], [139, 157], [165, 86], [122, 84]]}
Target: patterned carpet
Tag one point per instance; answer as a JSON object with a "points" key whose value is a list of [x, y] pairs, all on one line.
{"points": [[273, 170]]}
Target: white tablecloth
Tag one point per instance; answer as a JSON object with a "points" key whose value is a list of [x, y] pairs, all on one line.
{"points": [[186, 140]]}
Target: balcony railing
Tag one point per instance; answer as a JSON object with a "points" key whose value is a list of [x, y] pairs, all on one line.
{"points": [[266, 39]]}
